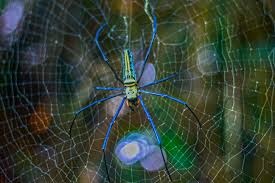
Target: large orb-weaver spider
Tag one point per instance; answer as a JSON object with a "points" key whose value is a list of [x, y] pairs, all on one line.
{"points": [[131, 91]]}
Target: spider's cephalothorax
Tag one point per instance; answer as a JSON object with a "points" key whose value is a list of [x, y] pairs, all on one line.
{"points": [[129, 79]]}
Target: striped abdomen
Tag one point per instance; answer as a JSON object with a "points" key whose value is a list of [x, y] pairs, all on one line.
{"points": [[129, 74]]}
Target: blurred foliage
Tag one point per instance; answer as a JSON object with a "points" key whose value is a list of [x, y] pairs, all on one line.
{"points": [[233, 95], [2, 4]]}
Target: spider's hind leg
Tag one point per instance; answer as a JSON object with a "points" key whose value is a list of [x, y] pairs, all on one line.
{"points": [[106, 60]]}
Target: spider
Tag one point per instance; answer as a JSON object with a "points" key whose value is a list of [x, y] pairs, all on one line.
{"points": [[131, 91]]}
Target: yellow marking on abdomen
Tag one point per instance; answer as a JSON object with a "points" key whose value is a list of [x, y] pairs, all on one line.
{"points": [[127, 61]]}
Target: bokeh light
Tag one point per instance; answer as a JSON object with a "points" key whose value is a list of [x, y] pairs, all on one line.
{"points": [[224, 56], [140, 148], [132, 148], [153, 160]]}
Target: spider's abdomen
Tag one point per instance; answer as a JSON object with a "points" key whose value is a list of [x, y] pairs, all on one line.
{"points": [[129, 78], [129, 74]]}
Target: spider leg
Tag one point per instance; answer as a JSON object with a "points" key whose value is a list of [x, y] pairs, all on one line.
{"points": [[156, 133], [160, 81], [91, 105], [108, 134], [98, 32], [150, 46], [108, 88], [174, 99]]}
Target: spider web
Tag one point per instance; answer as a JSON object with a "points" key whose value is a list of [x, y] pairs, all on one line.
{"points": [[223, 52]]}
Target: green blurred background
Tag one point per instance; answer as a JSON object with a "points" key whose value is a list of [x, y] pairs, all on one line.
{"points": [[224, 54]]}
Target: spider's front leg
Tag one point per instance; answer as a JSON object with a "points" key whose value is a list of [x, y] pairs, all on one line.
{"points": [[156, 134], [91, 105], [108, 88], [108, 134], [174, 99]]}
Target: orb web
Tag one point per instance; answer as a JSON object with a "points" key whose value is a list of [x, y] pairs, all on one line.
{"points": [[223, 52]]}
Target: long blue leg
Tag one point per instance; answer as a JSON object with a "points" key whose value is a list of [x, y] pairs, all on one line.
{"points": [[98, 32], [108, 134], [160, 81], [108, 88], [174, 99], [156, 133], [150, 46], [91, 105]]}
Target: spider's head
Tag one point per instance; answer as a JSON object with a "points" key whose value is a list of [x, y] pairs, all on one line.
{"points": [[131, 93]]}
